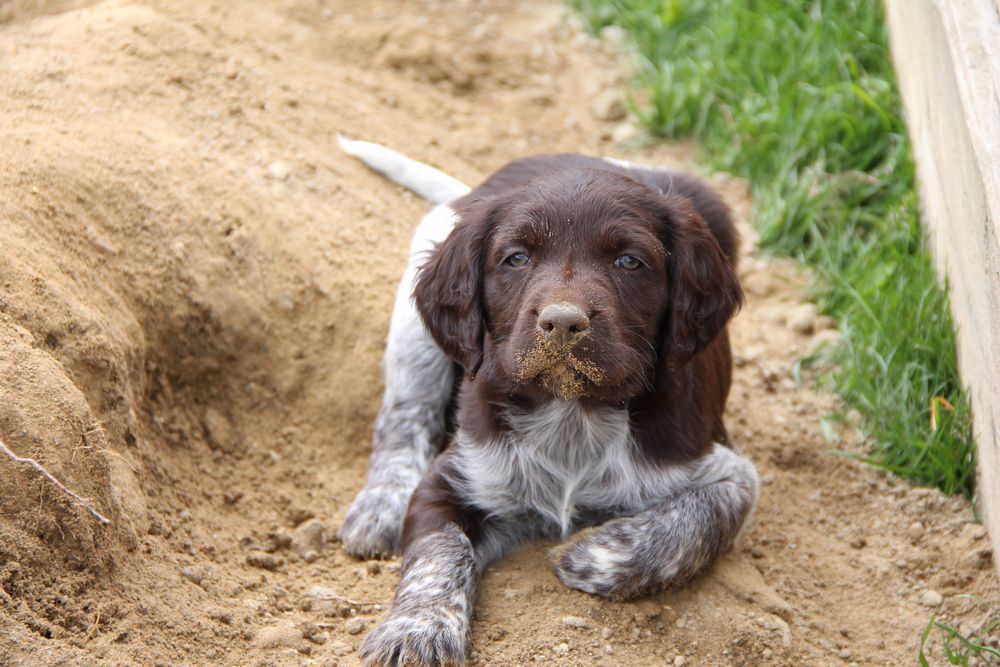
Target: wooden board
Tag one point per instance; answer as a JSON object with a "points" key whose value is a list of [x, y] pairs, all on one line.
{"points": [[947, 55]]}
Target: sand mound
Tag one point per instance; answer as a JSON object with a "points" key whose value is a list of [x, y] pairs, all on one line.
{"points": [[194, 289]]}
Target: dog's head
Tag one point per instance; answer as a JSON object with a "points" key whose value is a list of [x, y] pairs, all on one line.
{"points": [[579, 284]]}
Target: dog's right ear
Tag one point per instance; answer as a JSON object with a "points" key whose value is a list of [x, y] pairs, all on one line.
{"points": [[449, 287], [704, 288]]}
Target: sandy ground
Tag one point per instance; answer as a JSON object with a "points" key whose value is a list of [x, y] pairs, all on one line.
{"points": [[194, 291]]}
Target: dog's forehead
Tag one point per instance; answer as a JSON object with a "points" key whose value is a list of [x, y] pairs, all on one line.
{"points": [[588, 203]]}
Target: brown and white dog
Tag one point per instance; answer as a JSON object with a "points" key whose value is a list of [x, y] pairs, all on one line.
{"points": [[578, 306]]}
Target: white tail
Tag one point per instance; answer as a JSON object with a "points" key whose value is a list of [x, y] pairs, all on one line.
{"points": [[430, 183]]}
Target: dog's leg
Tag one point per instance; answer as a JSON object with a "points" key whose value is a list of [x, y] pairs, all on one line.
{"points": [[429, 621], [409, 429], [671, 541], [447, 546]]}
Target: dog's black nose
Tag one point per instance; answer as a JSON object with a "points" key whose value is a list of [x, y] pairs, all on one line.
{"points": [[563, 322]]}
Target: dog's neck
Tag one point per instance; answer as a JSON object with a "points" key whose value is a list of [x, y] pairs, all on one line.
{"points": [[485, 402], [562, 466], [672, 422], [551, 462]]}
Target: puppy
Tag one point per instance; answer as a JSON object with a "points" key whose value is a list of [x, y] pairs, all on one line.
{"points": [[578, 306]]}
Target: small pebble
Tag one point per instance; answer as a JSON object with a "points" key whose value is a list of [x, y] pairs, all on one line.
{"points": [[606, 633], [561, 648], [608, 106], [931, 598], [575, 622], [373, 567], [219, 430], [195, 575], [980, 558], [802, 319], [646, 610], [625, 132], [614, 34], [339, 648], [281, 539], [248, 543], [825, 338], [308, 537], [309, 629], [680, 661], [105, 245], [264, 561], [283, 633], [298, 515], [321, 593], [972, 532], [223, 617], [278, 171], [355, 626]]}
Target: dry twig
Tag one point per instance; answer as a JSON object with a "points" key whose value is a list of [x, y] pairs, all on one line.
{"points": [[47, 475], [333, 597], [943, 402]]}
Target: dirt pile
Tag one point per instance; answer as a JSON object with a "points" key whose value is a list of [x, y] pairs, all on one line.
{"points": [[194, 289]]}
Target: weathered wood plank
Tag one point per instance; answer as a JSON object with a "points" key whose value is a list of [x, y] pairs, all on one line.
{"points": [[947, 55]]}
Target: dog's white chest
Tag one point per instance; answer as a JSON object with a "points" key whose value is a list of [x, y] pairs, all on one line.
{"points": [[554, 462]]}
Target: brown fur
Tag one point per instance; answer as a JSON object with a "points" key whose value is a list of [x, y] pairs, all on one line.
{"points": [[657, 342], [568, 279]]}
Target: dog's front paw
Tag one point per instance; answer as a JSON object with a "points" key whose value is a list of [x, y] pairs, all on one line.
{"points": [[427, 637], [373, 527], [605, 563]]}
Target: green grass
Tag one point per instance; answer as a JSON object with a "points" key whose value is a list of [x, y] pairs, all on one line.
{"points": [[960, 649], [799, 97]]}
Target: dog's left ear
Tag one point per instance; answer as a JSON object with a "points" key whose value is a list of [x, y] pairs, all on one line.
{"points": [[704, 290], [449, 287]]}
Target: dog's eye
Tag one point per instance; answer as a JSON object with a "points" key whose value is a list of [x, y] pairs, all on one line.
{"points": [[518, 259], [628, 262]]}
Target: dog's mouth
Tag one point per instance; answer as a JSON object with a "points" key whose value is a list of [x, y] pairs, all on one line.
{"points": [[557, 368]]}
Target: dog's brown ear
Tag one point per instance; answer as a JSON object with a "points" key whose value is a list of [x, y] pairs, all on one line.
{"points": [[704, 289], [449, 288]]}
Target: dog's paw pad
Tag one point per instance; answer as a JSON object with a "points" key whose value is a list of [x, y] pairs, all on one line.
{"points": [[433, 637]]}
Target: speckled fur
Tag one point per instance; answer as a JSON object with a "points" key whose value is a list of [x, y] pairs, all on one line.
{"points": [[409, 430], [430, 618], [633, 460], [561, 466]]}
